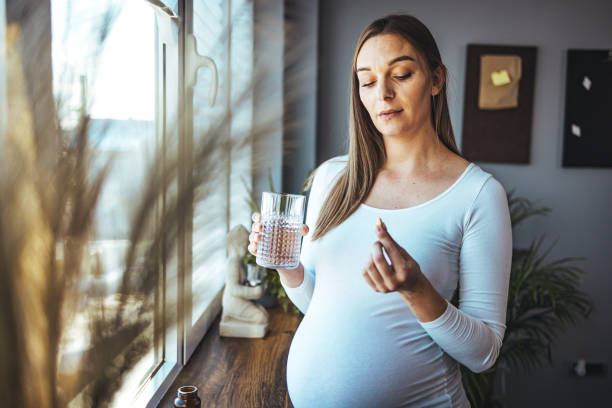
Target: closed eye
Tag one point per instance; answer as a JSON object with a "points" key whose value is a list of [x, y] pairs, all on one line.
{"points": [[408, 75], [400, 77]]}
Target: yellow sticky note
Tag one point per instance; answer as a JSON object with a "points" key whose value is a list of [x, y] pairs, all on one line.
{"points": [[500, 78]]}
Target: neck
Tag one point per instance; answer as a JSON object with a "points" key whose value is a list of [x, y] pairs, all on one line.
{"points": [[413, 153]]}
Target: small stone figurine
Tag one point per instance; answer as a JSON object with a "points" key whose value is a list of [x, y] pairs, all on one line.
{"points": [[240, 316]]}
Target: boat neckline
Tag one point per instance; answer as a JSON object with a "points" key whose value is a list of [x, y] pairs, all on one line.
{"points": [[426, 203]]}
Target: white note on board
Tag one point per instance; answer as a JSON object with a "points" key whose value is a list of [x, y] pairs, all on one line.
{"points": [[586, 82], [576, 130]]}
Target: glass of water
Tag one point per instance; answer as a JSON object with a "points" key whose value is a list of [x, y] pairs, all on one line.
{"points": [[280, 242]]}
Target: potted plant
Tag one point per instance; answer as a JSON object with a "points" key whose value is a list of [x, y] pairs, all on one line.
{"points": [[544, 297]]}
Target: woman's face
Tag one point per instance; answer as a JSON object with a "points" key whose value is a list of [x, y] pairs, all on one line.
{"points": [[394, 84]]}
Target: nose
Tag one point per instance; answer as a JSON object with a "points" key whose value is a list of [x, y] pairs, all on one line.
{"points": [[384, 90]]}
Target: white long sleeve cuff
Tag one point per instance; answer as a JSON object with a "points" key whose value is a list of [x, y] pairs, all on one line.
{"points": [[466, 339], [301, 295]]}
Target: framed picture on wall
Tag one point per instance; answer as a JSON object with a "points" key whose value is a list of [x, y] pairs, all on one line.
{"points": [[498, 104], [587, 130]]}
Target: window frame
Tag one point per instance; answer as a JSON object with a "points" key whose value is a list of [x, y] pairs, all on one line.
{"points": [[238, 162], [3, 106], [239, 166], [168, 101]]}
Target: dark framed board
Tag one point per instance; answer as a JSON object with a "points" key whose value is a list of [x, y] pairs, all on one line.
{"points": [[502, 134], [587, 130]]}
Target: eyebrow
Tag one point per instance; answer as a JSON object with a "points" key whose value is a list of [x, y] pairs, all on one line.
{"points": [[393, 61]]}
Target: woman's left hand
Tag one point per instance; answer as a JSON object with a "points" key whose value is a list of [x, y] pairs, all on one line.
{"points": [[404, 273]]}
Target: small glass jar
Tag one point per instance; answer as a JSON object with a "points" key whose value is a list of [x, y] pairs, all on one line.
{"points": [[187, 397], [255, 275]]}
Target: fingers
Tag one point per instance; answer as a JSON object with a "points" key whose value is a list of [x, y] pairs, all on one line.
{"points": [[384, 269], [253, 240], [395, 252], [373, 277], [256, 228], [254, 235], [256, 225], [369, 280], [382, 276]]}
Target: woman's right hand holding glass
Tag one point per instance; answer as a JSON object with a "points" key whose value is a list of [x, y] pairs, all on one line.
{"points": [[255, 234], [289, 277]]}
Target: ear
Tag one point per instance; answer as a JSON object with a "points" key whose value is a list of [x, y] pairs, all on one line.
{"points": [[438, 80]]}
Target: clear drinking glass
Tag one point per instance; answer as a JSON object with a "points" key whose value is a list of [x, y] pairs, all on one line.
{"points": [[280, 242]]}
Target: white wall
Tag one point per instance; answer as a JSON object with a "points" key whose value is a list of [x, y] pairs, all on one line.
{"points": [[581, 198]]}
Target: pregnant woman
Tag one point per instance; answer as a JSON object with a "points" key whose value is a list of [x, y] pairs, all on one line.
{"points": [[401, 222]]}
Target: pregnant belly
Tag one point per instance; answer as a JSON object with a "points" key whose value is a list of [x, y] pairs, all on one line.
{"points": [[357, 358]]}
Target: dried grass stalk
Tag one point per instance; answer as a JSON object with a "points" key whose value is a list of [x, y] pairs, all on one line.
{"points": [[48, 198]]}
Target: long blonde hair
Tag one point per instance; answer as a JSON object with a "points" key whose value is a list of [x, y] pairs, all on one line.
{"points": [[366, 148]]}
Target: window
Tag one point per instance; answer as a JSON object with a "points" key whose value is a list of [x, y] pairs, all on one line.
{"points": [[2, 69], [115, 82], [134, 90]]}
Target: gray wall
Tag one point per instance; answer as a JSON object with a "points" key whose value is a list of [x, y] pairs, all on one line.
{"points": [[286, 33], [581, 198], [299, 92], [267, 94]]}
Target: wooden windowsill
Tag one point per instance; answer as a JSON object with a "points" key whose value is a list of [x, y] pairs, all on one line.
{"points": [[234, 372]]}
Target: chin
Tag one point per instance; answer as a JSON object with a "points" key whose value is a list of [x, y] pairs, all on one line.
{"points": [[392, 131]]}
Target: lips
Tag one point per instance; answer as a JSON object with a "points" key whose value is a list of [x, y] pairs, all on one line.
{"points": [[388, 114]]}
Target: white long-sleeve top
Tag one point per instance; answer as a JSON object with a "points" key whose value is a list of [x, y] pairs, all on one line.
{"points": [[359, 348]]}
